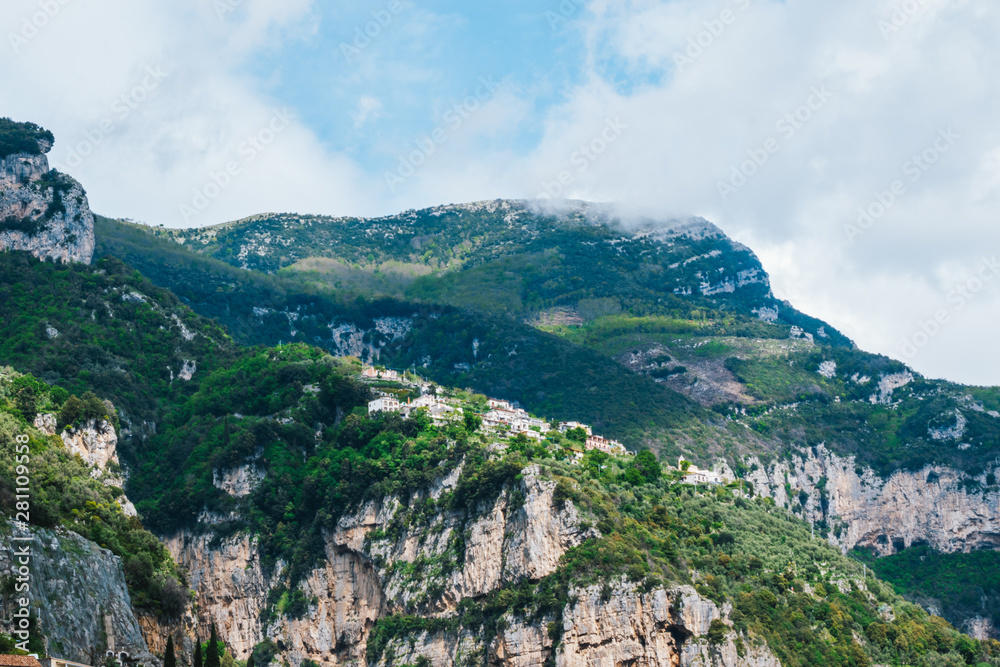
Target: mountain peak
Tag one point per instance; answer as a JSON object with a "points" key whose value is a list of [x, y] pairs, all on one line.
{"points": [[42, 211]]}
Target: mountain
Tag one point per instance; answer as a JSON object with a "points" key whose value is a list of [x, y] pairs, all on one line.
{"points": [[492, 354], [41, 211], [875, 455], [219, 406], [514, 258]]}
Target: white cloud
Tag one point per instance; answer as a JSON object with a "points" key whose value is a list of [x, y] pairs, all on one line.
{"points": [[889, 100], [693, 114], [147, 154]]}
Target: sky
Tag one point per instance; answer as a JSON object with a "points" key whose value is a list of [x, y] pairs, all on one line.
{"points": [[853, 145]]}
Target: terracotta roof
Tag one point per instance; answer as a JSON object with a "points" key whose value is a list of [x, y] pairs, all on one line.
{"points": [[18, 661]]}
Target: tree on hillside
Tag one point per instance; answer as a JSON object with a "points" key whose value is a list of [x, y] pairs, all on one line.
{"points": [[212, 654], [647, 465], [197, 652], [169, 659], [250, 661]]}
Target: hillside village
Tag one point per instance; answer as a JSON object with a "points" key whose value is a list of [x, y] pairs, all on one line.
{"points": [[504, 419]]}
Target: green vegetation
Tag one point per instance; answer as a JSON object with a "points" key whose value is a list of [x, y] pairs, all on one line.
{"points": [[22, 138], [961, 585], [169, 658], [800, 595], [473, 257], [493, 355], [64, 494], [114, 333]]}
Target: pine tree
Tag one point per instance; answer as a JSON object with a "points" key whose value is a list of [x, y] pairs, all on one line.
{"points": [[169, 659], [212, 655], [197, 652], [250, 661]]}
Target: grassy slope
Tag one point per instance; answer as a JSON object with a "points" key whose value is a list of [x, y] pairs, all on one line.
{"points": [[787, 400], [504, 258], [546, 374]]}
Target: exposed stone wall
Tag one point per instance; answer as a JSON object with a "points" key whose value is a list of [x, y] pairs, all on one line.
{"points": [[74, 584], [65, 232], [931, 506]]}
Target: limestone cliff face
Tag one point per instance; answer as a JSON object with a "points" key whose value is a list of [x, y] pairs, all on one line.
{"points": [[95, 441], [42, 212], [230, 584], [934, 506], [74, 585], [382, 559], [508, 542], [661, 628]]}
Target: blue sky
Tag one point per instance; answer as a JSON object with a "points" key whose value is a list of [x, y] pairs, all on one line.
{"points": [[413, 64], [784, 122]]}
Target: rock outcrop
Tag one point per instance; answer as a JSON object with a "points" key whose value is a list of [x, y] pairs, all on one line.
{"points": [[393, 556], [95, 441], [937, 506], [661, 628], [75, 584], [230, 583], [43, 212]]}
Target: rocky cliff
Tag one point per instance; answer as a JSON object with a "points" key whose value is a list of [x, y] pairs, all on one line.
{"points": [[96, 442], [938, 506], [75, 584], [43, 212], [396, 557], [662, 628]]}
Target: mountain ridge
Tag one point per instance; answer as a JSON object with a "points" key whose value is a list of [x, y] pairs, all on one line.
{"points": [[320, 531]]}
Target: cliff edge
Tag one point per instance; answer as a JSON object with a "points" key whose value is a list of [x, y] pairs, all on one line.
{"points": [[42, 211]]}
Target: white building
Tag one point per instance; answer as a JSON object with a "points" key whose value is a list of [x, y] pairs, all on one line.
{"points": [[376, 374], [384, 404], [569, 426], [695, 475]]}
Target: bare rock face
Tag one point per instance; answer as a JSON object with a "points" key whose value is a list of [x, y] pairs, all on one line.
{"points": [[239, 482], [95, 441], [230, 584], [508, 542], [980, 628], [46, 423], [43, 212], [381, 560], [364, 577], [661, 628], [932, 506], [75, 584]]}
